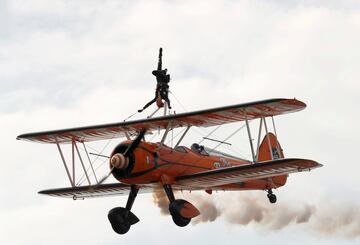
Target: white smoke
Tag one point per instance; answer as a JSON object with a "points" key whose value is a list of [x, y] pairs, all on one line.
{"points": [[323, 217]]}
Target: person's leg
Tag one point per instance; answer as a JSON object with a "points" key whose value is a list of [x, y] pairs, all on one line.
{"points": [[147, 105], [166, 98]]}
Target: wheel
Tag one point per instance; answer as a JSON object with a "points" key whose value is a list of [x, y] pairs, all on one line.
{"points": [[118, 220], [272, 198], [120, 228], [182, 212], [180, 221]]}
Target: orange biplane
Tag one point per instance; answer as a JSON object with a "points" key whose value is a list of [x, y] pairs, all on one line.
{"points": [[144, 166]]}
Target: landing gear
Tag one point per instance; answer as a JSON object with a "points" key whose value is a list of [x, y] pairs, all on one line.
{"points": [[175, 208], [181, 211], [271, 196], [122, 219]]}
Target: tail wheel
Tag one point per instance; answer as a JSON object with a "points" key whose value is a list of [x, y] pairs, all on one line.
{"points": [[272, 198]]}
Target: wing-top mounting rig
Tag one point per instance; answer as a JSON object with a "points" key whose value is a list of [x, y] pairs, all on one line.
{"points": [[140, 165]]}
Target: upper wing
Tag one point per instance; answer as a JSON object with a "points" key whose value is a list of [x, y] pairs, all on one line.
{"points": [[204, 118], [230, 175]]}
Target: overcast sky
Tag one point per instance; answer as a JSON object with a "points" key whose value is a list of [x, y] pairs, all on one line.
{"points": [[73, 63]]}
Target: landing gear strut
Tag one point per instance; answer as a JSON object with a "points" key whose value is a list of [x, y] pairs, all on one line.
{"points": [[122, 219], [181, 211], [271, 196]]}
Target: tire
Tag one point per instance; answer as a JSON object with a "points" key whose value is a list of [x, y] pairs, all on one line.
{"points": [[272, 198], [118, 221], [121, 228], [180, 221]]}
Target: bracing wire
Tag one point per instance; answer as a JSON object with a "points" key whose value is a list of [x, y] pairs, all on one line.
{"points": [[227, 138], [131, 116], [237, 152], [82, 179]]}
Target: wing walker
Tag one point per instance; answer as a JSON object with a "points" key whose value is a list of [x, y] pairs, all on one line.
{"points": [[141, 166]]}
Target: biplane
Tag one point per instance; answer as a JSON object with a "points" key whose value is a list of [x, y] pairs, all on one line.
{"points": [[143, 166]]}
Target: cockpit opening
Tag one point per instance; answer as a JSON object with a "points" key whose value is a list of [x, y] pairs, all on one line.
{"points": [[199, 149]]}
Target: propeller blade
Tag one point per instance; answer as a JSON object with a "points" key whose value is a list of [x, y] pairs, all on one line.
{"points": [[105, 177], [130, 148], [135, 143]]}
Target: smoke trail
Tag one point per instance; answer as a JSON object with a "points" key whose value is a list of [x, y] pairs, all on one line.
{"points": [[324, 217], [209, 211], [254, 209], [161, 200]]}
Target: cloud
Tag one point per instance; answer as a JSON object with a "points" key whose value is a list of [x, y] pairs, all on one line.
{"points": [[69, 64]]}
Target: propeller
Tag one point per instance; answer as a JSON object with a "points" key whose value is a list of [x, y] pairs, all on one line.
{"points": [[121, 160]]}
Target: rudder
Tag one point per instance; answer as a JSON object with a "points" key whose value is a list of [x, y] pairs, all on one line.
{"points": [[265, 155], [264, 150]]}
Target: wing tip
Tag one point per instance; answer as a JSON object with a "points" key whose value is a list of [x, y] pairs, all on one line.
{"points": [[296, 102], [20, 137]]}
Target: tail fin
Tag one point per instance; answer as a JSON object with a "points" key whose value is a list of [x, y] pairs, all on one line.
{"points": [[264, 149], [277, 153]]}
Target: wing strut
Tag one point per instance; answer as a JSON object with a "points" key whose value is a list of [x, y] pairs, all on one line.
{"points": [[72, 179], [169, 126], [268, 139], [259, 138], [66, 168], [73, 159], [182, 136], [250, 139], [82, 163], [277, 142]]}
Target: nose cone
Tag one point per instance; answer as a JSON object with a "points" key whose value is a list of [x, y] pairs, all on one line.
{"points": [[119, 161]]}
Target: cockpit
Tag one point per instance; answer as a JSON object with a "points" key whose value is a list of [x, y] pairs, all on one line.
{"points": [[199, 149], [205, 151]]}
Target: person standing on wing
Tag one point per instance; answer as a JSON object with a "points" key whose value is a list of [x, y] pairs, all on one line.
{"points": [[162, 86]]}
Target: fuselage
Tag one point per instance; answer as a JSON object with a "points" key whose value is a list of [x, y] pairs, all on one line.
{"points": [[158, 163]]}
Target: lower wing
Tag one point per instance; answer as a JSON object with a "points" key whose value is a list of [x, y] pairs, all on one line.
{"points": [[236, 174], [199, 181]]}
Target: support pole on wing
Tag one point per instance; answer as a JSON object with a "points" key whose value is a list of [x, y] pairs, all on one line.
{"points": [[250, 139], [277, 142], [82, 163], [165, 108], [182, 136], [259, 138], [166, 132], [64, 162], [73, 159], [268, 139]]}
